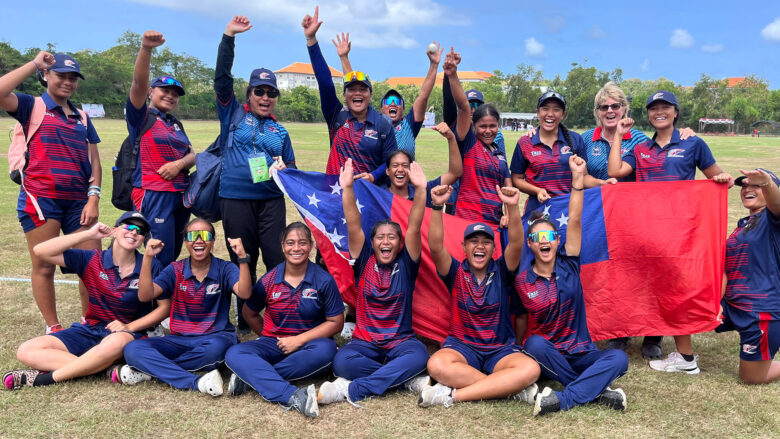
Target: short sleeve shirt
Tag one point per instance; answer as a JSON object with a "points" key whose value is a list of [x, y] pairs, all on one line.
{"points": [[406, 132], [483, 168], [676, 161], [597, 149]]}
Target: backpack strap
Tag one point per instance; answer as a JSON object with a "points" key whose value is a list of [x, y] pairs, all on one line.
{"points": [[36, 118]]}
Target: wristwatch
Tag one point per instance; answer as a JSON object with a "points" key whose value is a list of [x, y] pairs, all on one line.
{"points": [[244, 260]]}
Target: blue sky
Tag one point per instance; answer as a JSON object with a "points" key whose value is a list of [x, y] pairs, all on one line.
{"points": [[678, 40]]}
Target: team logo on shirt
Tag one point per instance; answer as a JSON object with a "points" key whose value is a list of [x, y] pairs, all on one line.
{"points": [[676, 152], [566, 149], [212, 289], [535, 153], [103, 276], [490, 279], [250, 121], [276, 295], [533, 294], [371, 134], [272, 129], [183, 287], [176, 127], [309, 293], [50, 114], [749, 349], [395, 270], [623, 151], [596, 150], [644, 156], [133, 285]]}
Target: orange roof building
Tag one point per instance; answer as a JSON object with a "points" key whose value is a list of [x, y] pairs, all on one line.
{"points": [[464, 75], [301, 74]]}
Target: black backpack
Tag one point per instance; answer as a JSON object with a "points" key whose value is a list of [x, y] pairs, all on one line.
{"points": [[125, 164]]}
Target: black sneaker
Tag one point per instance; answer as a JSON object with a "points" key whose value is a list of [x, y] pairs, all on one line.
{"points": [[546, 402], [305, 401], [613, 398], [651, 348], [236, 386], [618, 343]]}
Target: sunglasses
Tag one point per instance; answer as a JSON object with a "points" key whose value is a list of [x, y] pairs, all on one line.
{"points": [[133, 228], [170, 81], [205, 235], [355, 76], [260, 92], [390, 100], [550, 235], [615, 107], [474, 104]]}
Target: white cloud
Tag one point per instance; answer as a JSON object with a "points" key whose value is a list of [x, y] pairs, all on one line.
{"points": [[680, 39], [555, 23], [534, 48], [596, 33], [371, 24], [772, 31], [645, 65], [712, 48]]}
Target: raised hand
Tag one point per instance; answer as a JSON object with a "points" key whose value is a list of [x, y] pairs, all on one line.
{"points": [[450, 65], [311, 24], [152, 39], [237, 246], [435, 57], [417, 176], [509, 195], [440, 194], [154, 247], [577, 165], [756, 177], [237, 25], [444, 130], [43, 60], [100, 231], [343, 45], [347, 176], [624, 126]]}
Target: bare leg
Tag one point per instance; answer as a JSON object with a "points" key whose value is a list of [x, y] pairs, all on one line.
{"points": [[759, 372], [684, 344], [44, 353], [42, 272], [96, 359], [512, 374], [450, 368]]}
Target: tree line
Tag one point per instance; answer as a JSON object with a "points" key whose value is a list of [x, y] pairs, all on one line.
{"points": [[110, 74]]}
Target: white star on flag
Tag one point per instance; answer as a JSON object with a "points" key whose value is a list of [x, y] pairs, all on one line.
{"points": [[359, 206], [313, 199], [335, 189], [335, 238], [563, 220], [547, 210]]}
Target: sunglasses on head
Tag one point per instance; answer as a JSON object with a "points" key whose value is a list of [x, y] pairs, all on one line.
{"points": [[170, 81], [550, 235], [355, 76], [133, 228], [390, 100], [205, 235], [260, 92], [615, 107], [474, 104]]}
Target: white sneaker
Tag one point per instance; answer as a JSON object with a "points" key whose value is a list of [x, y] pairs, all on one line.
{"points": [[157, 331], [348, 330], [417, 384], [436, 395], [527, 395], [130, 376], [333, 391], [166, 324], [676, 363], [211, 383]]}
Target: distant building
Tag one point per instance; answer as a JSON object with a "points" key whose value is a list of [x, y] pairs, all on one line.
{"points": [[301, 74], [464, 76]]}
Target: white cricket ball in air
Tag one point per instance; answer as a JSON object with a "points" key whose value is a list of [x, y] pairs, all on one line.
{"points": [[432, 48]]}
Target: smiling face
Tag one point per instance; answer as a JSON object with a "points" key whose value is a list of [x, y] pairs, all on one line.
{"points": [[544, 251], [486, 129], [164, 99], [296, 247], [61, 85], [609, 119], [386, 243], [752, 198], [661, 115], [263, 105], [550, 115], [357, 97], [129, 239], [478, 248], [398, 170], [394, 111], [199, 249]]}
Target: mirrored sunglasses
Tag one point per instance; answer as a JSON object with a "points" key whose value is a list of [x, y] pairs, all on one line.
{"points": [[355, 76], [133, 228], [549, 235], [390, 100], [205, 235]]}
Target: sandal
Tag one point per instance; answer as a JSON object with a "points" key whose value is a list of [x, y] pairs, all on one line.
{"points": [[16, 379]]}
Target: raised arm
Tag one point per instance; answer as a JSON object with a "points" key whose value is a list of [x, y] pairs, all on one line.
{"points": [[140, 87], [242, 288], [53, 249], [329, 101], [355, 235], [770, 190], [223, 78], [510, 196], [450, 67], [427, 86], [574, 228], [616, 167], [455, 169], [11, 80], [441, 257], [413, 240], [343, 46], [147, 289]]}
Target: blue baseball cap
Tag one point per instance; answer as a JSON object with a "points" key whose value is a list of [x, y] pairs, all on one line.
{"points": [[478, 228], [475, 95], [263, 76], [65, 63], [356, 77], [662, 95], [551, 95], [168, 81], [393, 92], [130, 217], [739, 181]]}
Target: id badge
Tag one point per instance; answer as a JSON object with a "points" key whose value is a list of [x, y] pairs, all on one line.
{"points": [[258, 167]]}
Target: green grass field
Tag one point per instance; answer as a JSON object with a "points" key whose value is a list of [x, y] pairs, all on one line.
{"points": [[713, 404]]}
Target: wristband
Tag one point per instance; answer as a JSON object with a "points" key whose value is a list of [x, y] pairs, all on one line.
{"points": [[244, 260], [91, 193], [577, 188], [766, 183], [36, 65], [95, 187], [437, 206]]}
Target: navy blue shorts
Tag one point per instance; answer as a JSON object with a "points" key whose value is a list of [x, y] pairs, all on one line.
{"points": [[759, 332], [34, 212], [483, 361], [80, 338]]}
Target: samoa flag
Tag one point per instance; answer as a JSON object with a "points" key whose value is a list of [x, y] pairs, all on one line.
{"points": [[318, 198], [652, 256]]}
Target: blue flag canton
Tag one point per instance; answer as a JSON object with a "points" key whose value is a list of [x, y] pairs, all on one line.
{"points": [[317, 197], [595, 247]]}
